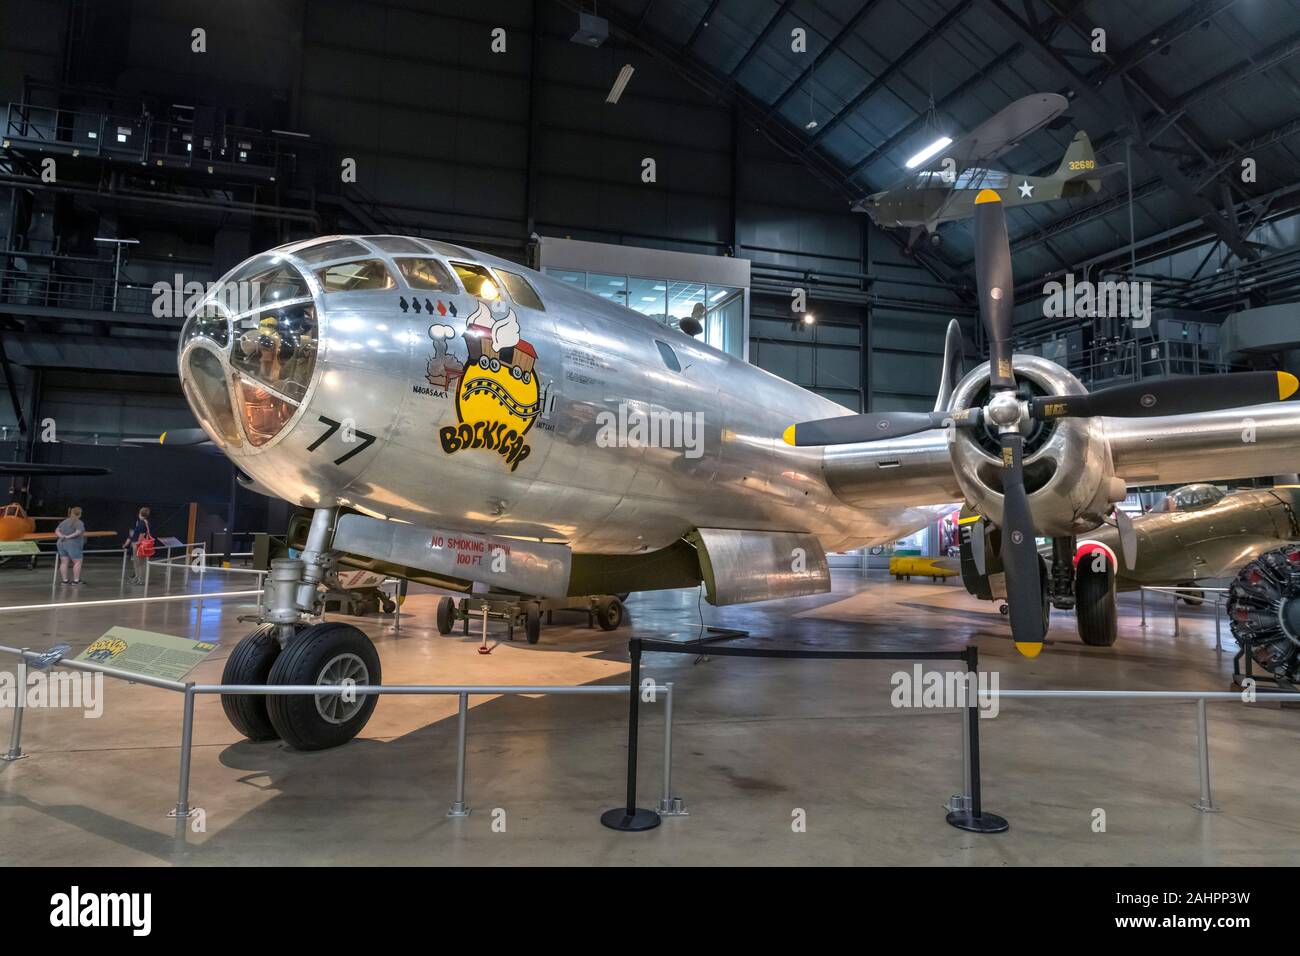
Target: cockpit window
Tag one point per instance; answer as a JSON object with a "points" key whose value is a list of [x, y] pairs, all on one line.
{"points": [[1193, 497], [279, 284], [335, 249], [443, 249], [277, 348], [426, 274], [477, 281], [521, 291], [396, 244], [364, 275]]}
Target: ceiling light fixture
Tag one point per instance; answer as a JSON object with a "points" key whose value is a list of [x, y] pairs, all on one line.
{"points": [[929, 151], [620, 84]]}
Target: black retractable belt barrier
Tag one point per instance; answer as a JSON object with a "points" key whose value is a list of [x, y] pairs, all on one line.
{"points": [[632, 818]]}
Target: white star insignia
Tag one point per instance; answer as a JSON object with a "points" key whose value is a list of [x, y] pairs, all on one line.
{"points": [[1026, 190]]}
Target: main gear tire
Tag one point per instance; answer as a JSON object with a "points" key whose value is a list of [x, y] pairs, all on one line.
{"points": [[250, 663], [1095, 610], [330, 653]]}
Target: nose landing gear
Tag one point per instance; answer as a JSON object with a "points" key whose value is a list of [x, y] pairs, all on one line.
{"points": [[287, 648]]}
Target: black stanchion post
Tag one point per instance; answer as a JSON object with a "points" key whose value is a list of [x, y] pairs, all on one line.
{"points": [[630, 817], [974, 819]]}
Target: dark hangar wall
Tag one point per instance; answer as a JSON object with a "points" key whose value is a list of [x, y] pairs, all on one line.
{"points": [[485, 148]]}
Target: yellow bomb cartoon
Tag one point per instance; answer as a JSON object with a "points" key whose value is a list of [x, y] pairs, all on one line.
{"points": [[498, 397]]}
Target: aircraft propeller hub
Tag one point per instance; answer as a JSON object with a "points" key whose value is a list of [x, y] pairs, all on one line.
{"points": [[1005, 409]]}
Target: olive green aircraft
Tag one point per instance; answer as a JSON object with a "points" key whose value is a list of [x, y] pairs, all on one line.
{"points": [[1201, 535], [945, 183]]}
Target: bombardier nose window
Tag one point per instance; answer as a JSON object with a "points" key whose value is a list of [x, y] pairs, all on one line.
{"points": [[208, 321], [277, 347], [264, 413], [205, 387], [250, 349]]}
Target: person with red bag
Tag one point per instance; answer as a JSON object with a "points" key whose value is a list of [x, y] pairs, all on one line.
{"points": [[142, 544]]}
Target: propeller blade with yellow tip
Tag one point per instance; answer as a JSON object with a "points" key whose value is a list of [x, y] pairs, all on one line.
{"points": [[183, 436], [848, 429], [1182, 395], [995, 283], [1020, 561]]}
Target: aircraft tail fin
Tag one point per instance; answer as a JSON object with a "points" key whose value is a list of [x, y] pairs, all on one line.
{"points": [[954, 366], [1080, 164], [1079, 156]]}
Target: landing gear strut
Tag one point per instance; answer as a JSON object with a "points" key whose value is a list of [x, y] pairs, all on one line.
{"points": [[287, 648], [1062, 580]]}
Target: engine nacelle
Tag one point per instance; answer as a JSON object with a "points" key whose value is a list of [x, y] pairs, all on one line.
{"points": [[1069, 473]]}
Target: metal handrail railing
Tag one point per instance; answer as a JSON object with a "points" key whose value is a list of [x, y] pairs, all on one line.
{"points": [[1219, 601], [459, 808]]}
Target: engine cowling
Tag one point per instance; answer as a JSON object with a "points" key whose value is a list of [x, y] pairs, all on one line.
{"points": [[1069, 472]]}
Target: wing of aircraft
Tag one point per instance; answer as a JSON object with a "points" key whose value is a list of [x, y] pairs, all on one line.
{"points": [[51, 536], [997, 135], [45, 470]]}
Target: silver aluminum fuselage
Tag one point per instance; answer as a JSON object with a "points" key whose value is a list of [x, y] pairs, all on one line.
{"points": [[592, 357]]}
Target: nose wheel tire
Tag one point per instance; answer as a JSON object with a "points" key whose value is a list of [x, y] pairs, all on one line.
{"points": [[330, 653], [533, 623], [609, 614], [251, 663], [1264, 612]]}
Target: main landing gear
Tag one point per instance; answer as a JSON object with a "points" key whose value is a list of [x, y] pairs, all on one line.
{"points": [[287, 648]]}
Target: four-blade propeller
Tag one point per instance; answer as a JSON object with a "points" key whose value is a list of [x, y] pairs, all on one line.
{"points": [[1006, 411]]}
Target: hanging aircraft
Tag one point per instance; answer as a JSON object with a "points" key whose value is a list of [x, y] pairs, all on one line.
{"points": [[454, 418], [944, 188]]}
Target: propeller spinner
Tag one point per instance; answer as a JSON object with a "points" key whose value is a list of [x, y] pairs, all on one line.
{"points": [[1007, 412]]}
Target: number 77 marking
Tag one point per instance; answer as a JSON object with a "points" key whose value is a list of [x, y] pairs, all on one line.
{"points": [[332, 426]]}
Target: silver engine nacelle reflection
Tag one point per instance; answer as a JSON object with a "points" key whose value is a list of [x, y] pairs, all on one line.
{"points": [[1069, 473]]}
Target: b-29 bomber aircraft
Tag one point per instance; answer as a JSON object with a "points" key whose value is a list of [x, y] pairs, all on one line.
{"points": [[444, 414]]}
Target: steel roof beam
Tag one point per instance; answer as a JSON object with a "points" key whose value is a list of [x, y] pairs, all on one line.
{"points": [[699, 27], [780, 133], [879, 81], [1150, 187], [1161, 164], [760, 39], [834, 44]]}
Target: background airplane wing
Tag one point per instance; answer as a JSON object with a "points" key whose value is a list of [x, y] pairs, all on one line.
{"points": [[50, 535], [1000, 133], [42, 469]]}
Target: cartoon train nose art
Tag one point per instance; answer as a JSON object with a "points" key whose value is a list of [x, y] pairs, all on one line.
{"points": [[497, 398]]}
